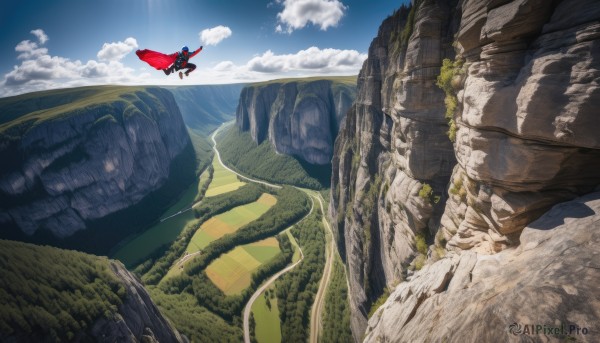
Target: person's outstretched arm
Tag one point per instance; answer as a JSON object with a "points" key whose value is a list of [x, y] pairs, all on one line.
{"points": [[195, 52]]}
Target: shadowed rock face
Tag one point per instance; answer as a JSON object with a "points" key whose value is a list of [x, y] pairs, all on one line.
{"points": [[393, 142], [526, 140], [89, 161], [299, 118]]}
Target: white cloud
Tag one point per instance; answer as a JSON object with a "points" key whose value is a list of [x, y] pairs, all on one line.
{"points": [[215, 35], [296, 14], [312, 59], [224, 66], [29, 49], [268, 66], [39, 70], [41, 35], [116, 51]]}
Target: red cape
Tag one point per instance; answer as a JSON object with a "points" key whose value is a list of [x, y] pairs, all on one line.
{"points": [[156, 59]]}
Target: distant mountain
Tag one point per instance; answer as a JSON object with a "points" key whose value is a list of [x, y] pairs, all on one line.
{"points": [[205, 107], [75, 162], [52, 295], [300, 117]]}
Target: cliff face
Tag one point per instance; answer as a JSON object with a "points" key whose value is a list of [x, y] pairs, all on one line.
{"points": [[138, 318], [527, 117], [525, 88], [393, 143], [79, 161], [300, 117]]}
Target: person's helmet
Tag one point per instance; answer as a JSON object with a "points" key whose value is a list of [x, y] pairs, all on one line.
{"points": [[185, 48]]}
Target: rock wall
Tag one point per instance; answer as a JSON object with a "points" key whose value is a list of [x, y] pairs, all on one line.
{"points": [[404, 194], [138, 319], [393, 143], [73, 163], [300, 117], [527, 121]]}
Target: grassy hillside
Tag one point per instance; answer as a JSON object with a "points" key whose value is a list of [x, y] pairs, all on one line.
{"points": [[194, 321], [205, 107], [53, 294], [22, 111], [239, 151], [347, 80]]}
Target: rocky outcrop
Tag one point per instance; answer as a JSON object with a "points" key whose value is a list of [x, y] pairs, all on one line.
{"points": [[75, 162], [525, 88], [472, 297], [300, 117], [138, 319]]}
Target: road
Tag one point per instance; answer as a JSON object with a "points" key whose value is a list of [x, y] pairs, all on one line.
{"points": [[317, 309], [261, 289], [316, 313], [231, 170], [266, 285]]}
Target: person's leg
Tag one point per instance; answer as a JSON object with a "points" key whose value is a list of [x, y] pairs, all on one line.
{"points": [[169, 70], [190, 68]]}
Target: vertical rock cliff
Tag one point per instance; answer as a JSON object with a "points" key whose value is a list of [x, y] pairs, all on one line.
{"points": [[392, 145], [300, 117], [527, 118], [418, 173], [75, 156]]}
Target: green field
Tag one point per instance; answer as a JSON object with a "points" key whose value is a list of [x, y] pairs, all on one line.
{"points": [[162, 233], [223, 180], [266, 318], [229, 222], [232, 272], [296, 256]]}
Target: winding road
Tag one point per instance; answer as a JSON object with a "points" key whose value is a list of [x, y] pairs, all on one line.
{"points": [[273, 278], [318, 305], [266, 285], [316, 313], [231, 170]]}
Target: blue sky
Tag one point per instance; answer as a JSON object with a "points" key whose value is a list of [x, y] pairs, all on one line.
{"points": [[66, 43]]}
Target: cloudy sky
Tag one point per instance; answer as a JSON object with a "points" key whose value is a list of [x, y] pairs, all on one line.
{"points": [[65, 43]]}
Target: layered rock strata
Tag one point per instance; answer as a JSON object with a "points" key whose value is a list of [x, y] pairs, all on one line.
{"points": [[544, 290], [393, 145], [525, 88]]}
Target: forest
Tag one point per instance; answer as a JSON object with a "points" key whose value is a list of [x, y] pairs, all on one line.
{"points": [[72, 290], [296, 290], [262, 161]]}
